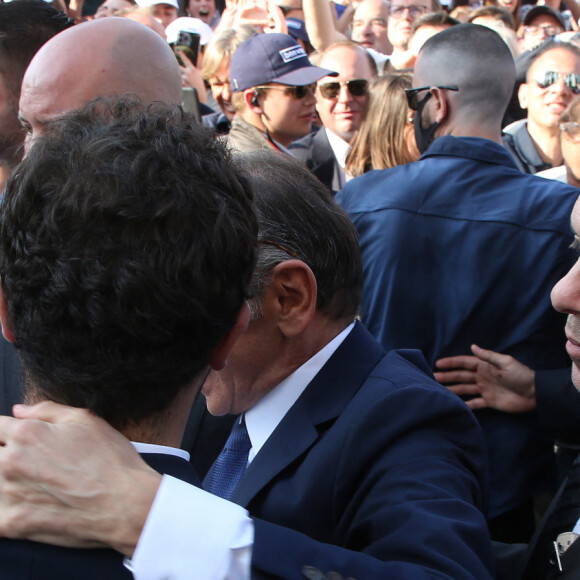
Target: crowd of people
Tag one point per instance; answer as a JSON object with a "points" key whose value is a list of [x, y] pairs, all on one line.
{"points": [[236, 242]]}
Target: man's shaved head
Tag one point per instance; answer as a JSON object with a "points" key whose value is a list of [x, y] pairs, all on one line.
{"points": [[485, 84], [102, 58]]}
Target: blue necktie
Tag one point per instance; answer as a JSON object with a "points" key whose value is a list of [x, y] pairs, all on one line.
{"points": [[231, 462]]}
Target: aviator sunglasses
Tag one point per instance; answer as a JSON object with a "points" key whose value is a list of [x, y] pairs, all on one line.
{"points": [[551, 77], [356, 87]]}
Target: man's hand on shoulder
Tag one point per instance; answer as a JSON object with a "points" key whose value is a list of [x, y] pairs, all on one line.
{"points": [[65, 476]]}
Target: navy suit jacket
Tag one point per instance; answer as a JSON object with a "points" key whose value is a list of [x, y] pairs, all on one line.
{"points": [[315, 152], [375, 472], [10, 377], [25, 560]]}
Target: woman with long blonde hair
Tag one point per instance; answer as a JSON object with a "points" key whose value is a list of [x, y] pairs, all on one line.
{"points": [[385, 138]]}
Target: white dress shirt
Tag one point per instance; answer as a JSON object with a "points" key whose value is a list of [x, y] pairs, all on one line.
{"points": [[340, 148], [190, 533]]}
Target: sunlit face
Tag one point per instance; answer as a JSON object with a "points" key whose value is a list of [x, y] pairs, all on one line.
{"points": [[566, 298], [540, 28], [112, 8], [203, 9], [402, 14], [369, 26], [545, 105], [285, 117], [343, 115], [220, 89], [165, 13]]}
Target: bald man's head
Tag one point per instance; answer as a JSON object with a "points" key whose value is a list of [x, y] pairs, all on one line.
{"points": [[102, 58], [485, 84]]}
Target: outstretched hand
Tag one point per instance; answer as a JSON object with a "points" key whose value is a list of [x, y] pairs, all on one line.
{"points": [[497, 381], [191, 76], [68, 478]]}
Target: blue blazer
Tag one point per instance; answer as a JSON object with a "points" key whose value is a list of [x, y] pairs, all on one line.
{"points": [[375, 472], [25, 560]]}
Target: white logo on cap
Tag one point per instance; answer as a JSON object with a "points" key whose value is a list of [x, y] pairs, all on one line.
{"points": [[292, 53]]}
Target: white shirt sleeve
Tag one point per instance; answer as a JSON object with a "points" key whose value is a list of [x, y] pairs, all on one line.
{"points": [[190, 533]]}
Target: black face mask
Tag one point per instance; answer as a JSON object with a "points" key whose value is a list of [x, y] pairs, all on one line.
{"points": [[424, 137]]}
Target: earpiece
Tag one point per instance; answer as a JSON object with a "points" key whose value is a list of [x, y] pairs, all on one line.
{"points": [[254, 100]]}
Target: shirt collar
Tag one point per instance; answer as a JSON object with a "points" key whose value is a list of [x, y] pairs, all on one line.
{"points": [[263, 418], [162, 449], [339, 147]]}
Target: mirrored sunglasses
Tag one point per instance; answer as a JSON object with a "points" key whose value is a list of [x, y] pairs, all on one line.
{"points": [[551, 77]]}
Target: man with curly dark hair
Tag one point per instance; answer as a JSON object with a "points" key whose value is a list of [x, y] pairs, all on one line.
{"points": [[127, 244]]}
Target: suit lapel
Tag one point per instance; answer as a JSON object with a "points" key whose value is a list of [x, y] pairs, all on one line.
{"points": [[323, 400], [290, 439]]}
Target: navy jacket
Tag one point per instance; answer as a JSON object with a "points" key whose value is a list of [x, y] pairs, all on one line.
{"points": [[375, 472], [10, 377], [25, 560], [461, 247]]}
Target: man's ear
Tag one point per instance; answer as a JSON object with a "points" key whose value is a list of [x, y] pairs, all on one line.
{"points": [[219, 355], [292, 294], [251, 99], [5, 320], [440, 105], [523, 95]]}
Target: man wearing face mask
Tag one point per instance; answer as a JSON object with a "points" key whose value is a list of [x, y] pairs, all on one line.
{"points": [[461, 247]]}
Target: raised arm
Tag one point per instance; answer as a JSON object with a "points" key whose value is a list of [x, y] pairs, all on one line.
{"points": [[320, 24]]}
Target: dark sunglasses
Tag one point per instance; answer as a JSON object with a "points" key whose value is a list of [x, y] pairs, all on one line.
{"points": [[297, 92], [356, 87], [551, 77], [412, 99]]}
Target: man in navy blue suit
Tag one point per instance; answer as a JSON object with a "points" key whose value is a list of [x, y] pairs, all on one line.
{"points": [[359, 462], [106, 270]]}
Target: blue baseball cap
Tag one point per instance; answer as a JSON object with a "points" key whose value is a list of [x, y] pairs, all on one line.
{"points": [[269, 58], [297, 29]]}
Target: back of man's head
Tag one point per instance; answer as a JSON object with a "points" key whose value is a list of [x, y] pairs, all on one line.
{"points": [[298, 218], [102, 58], [127, 243], [454, 58], [25, 25]]}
